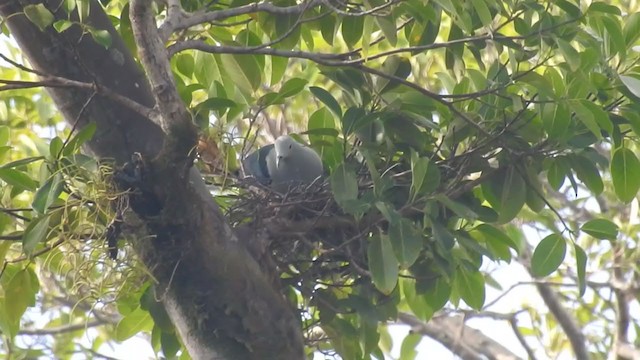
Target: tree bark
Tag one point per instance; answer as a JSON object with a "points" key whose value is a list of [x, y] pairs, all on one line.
{"points": [[218, 299], [462, 340]]}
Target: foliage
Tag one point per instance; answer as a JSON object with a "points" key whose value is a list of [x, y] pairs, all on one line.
{"points": [[443, 124]]}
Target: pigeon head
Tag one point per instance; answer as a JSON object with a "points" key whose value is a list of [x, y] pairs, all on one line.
{"points": [[284, 147]]}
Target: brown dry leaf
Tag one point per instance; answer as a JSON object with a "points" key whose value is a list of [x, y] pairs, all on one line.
{"points": [[209, 153]]}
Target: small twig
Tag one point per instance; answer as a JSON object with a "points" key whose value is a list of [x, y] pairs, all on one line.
{"points": [[61, 329]]}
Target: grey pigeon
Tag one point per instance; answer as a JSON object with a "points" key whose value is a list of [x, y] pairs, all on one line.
{"points": [[283, 164]]}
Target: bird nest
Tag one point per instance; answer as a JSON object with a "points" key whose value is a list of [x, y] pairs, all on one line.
{"points": [[303, 236]]}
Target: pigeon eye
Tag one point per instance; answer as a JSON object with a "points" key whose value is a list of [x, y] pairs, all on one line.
{"points": [[290, 146]]}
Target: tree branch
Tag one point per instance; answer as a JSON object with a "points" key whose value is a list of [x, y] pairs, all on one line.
{"points": [[320, 58], [51, 81], [564, 318], [180, 20], [158, 69], [462, 340], [61, 329]]}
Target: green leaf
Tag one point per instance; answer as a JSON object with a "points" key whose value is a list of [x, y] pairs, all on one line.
{"points": [[601, 229], [615, 36], [85, 134], [535, 192], [632, 84], [425, 34], [327, 99], [568, 7], [22, 162], [599, 6], [69, 6], [625, 168], [48, 193], [286, 24], [55, 147], [588, 173], [270, 99], [344, 338], [442, 235], [156, 309], [244, 71], [331, 132], [367, 30], [382, 264], [20, 293], [170, 344], [84, 7], [497, 242], [425, 176], [437, 294], [397, 66], [322, 130], [344, 184], [408, 347], [278, 68], [586, 117], [39, 15], [352, 27], [507, 193], [557, 172], [328, 28], [460, 209], [5, 135], [388, 27], [406, 240], [185, 64], [292, 87], [387, 210], [35, 233], [214, 104], [417, 302], [548, 255], [17, 179], [355, 118], [62, 25], [470, 286], [497, 235], [631, 29], [472, 247], [321, 119], [599, 115], [483, 11], [102, 37], [581, 265], [133, 323], [570, 54], [454, 53]]}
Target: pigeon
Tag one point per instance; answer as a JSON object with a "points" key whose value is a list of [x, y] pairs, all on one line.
{"points": [[283, 164]]}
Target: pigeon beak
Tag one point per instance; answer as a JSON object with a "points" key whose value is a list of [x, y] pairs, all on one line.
{"points": [[278, 160]]}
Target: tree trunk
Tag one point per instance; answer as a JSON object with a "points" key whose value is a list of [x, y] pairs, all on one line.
{"points": [[214, 292]]}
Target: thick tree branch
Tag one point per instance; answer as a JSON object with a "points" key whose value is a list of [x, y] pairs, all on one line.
{"points": [[627, 351], [464, 341], [623, 316], [247, 317], [568, 324], [158, 69], [180, 20]]}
